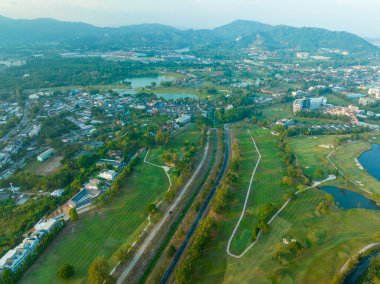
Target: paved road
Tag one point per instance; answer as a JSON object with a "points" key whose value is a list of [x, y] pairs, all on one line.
{"points": [[159, 225], [199, 216]]}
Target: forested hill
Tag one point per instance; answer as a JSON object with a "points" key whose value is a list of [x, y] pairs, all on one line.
{"points": [[238, 34]]}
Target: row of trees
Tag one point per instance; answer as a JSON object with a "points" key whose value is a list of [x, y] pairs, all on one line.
{"points": [[295, 176], [201, 239], [306, 130]]}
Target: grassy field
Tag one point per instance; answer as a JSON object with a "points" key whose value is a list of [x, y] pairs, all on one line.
{"points": [[103, 231], [335, 100], [329, 240], [311, 153], [266, 187]]}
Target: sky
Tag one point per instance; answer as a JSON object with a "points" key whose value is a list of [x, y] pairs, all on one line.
{"points": [[357, 16]]}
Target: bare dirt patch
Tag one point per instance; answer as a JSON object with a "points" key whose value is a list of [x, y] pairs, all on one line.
{"points": [[49, 167]]}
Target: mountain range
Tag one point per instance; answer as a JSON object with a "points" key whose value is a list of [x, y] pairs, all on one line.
{"points": [[238, 34]]}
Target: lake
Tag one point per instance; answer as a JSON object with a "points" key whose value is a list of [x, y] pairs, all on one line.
{"points": [[370, 160], [359, 270], [147, 81], [176, 96], [348, 199]]}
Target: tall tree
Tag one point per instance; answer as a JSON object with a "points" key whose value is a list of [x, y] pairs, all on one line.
{"points": [[98, 273]]}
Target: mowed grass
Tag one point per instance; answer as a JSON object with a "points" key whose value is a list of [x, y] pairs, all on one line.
{"points": [[266, 187], [102, 232], [312, 152], [345, 158]]}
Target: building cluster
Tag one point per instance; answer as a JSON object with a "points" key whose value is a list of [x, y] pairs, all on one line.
{"points": [[98, 185], [15, 258], [8, 111], [12, 148], [309, 104]]}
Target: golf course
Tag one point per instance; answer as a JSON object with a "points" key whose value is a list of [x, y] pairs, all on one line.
{"points": [[326, 239]]}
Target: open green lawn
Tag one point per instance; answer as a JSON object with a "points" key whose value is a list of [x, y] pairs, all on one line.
{"points": [[102, 232], [335, 100], [266, 187], [311, 153]]}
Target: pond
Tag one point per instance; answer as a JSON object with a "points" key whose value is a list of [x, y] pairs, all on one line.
{"points": [[147, 81], [348, 199], [176, 96], [370, 160], [361, 268]]}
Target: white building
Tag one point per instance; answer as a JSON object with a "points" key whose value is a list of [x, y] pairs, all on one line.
{"points": [[367, 101], [374, 92], [45, 155], [14, 258], [317, 102], [47, 225], [35, 130], [183, 119], [302, 55], [57, 193], [108, 174]]}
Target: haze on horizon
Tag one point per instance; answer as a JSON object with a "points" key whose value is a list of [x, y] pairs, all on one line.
{"points": [[356, 16]]}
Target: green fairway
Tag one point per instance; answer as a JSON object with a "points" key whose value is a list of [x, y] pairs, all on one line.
{"points": [[266, 187], [311, 153], [102, 232]]}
